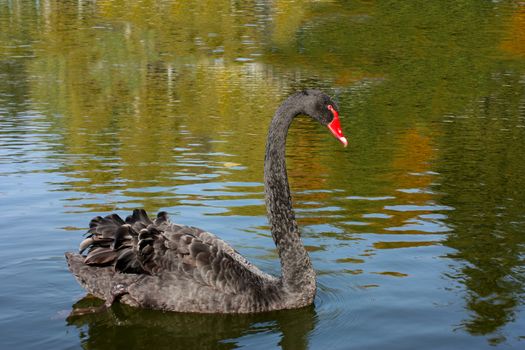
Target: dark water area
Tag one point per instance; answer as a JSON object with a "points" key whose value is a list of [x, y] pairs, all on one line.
{"points": [[416, 230]]}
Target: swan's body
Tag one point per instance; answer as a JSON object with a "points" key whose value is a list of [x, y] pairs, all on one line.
{"points": [[161, 265]]}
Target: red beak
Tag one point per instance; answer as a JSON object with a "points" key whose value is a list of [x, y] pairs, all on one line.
{"points": [[335, 127]]}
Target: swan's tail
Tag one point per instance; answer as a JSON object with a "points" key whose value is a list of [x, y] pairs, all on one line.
{"points": [[96, 280], [102, 282]]}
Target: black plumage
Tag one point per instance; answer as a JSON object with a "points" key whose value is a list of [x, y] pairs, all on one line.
{"points": [[162, 265]]}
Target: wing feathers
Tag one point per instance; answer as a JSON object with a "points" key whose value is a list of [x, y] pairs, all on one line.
{"points": [[140, 245], [100, 256]]}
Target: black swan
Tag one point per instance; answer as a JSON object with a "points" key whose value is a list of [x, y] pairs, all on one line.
{"points": [[161, 265]]}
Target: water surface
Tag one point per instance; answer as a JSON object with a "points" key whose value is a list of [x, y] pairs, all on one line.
{"points": [[416, 230]]}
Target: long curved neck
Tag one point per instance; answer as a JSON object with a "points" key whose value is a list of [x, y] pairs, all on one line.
{"points": [[298, 275]]}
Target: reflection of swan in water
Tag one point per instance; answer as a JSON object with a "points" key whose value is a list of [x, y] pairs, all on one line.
{"points": [[126, 327], [160, 265]]}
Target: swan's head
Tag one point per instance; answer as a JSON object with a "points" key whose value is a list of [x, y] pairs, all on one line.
{"points": [[322, 108]]}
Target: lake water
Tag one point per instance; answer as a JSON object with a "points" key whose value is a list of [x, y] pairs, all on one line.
{"points": [[416, 230]]}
